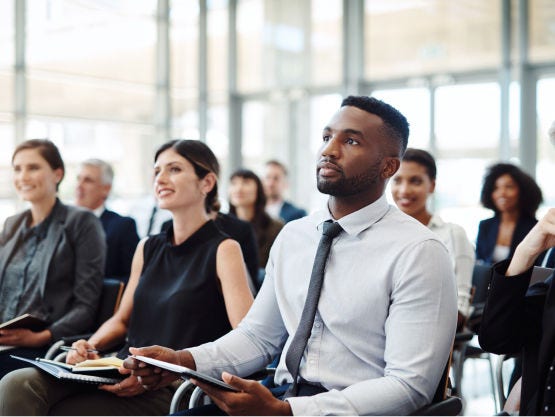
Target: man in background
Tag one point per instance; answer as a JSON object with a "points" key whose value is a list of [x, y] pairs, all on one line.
{"points": [[275, 184], [94, 183]]}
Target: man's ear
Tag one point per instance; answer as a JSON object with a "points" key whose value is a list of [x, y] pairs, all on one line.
{"points": [[390, 167]]}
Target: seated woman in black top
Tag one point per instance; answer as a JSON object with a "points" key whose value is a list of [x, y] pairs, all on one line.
{"points": [[187, 286]]}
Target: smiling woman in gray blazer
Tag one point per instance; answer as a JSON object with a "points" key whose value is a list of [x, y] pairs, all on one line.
{"points": [[51, 258]]}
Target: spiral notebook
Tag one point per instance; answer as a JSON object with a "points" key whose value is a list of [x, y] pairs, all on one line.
{"points": [[64, 371]]}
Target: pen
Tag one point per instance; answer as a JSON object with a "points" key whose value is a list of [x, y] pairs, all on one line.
{"points": [[68, 348]]}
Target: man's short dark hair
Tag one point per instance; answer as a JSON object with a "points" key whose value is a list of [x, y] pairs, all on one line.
{"points": [[396, 125]]}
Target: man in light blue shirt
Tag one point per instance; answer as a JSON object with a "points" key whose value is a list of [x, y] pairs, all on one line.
{"points": [[387, 311]]}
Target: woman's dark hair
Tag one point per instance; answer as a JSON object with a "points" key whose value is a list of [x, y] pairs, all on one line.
{"points": [[530, 194], [423, 158], [47, 150], [261, 219], [203, 161]]}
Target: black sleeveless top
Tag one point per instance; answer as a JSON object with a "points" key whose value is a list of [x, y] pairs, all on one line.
{"points": [[178, 302]]}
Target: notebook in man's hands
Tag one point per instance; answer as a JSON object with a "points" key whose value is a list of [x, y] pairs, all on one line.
{"points": [[65, 371], [186, 373]]}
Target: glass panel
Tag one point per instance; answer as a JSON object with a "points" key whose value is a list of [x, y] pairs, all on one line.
{"points": [[272, 44], [250, 45], [127, 147], [184, 28], [92, 59], [467, 134], [545, 170], [7, 192], [217, 45], [414, 103], [416, 37], [265, 125], [542, 30], [6, 56], [217, 136], [63, 95], [467, 120], [326, 42]]}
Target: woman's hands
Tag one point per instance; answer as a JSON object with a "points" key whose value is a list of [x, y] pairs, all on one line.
{"points": [[81, 352]]}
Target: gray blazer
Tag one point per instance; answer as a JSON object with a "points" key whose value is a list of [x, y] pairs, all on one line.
{"points": [[73, 268]]}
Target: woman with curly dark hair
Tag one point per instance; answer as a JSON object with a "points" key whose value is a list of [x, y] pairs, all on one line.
{"points": [[247, 201], [514, 197]]}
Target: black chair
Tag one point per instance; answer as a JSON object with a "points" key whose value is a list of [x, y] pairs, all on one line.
{"points": [[463, 349], [110, 298]]}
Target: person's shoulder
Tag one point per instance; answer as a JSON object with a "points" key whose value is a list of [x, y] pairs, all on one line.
{"points": [[293, 211], [405, 230], [118, 218], [12, 222]]}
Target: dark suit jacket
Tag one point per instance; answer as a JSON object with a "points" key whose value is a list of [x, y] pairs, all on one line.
{"points": [[487, 236], [289, 212], [240, 231], [121, 239], [73, 268], [521, 319]]}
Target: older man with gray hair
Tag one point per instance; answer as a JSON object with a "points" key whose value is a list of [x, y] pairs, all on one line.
{"points": [[94, 183]]}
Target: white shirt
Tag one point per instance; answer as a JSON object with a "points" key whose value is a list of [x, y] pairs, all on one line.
{"points": [[385, 321], [462, 254], [274, 209]]}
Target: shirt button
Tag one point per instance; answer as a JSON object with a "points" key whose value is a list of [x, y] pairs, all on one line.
{"points": [[546, 408], [317, 325], [549, 387], [551, 368], [312, 361]]}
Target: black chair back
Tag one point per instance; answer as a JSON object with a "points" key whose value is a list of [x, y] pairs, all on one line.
{"points": [[110, 297]]}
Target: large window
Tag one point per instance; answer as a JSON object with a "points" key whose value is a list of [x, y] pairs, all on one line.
{"points": [[91, 80], [417, 37], [467, 141], [545, 171]]}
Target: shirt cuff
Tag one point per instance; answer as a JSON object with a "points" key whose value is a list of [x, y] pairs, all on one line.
{"points": [[304, 406], [202, 360]]}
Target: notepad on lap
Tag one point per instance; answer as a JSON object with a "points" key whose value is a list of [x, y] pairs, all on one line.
{"points": [[25, 321], [66, 371], [186, 373]]}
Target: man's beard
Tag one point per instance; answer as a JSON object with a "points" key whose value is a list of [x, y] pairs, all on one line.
{"points": [[345, 187]]}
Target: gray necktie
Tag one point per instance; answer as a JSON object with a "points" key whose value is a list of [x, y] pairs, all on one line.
{"points": [[298, 344]]}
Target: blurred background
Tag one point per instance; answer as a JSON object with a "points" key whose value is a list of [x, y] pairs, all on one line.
{"points": [[258, 79]]}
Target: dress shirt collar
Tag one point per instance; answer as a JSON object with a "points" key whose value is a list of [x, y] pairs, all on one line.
{"points": [[99, 210], [435, 222], [358, 221]]}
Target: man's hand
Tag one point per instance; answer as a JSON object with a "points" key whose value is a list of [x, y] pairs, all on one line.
{"points": [[151, 377], [253, 400], [539, 239]]}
